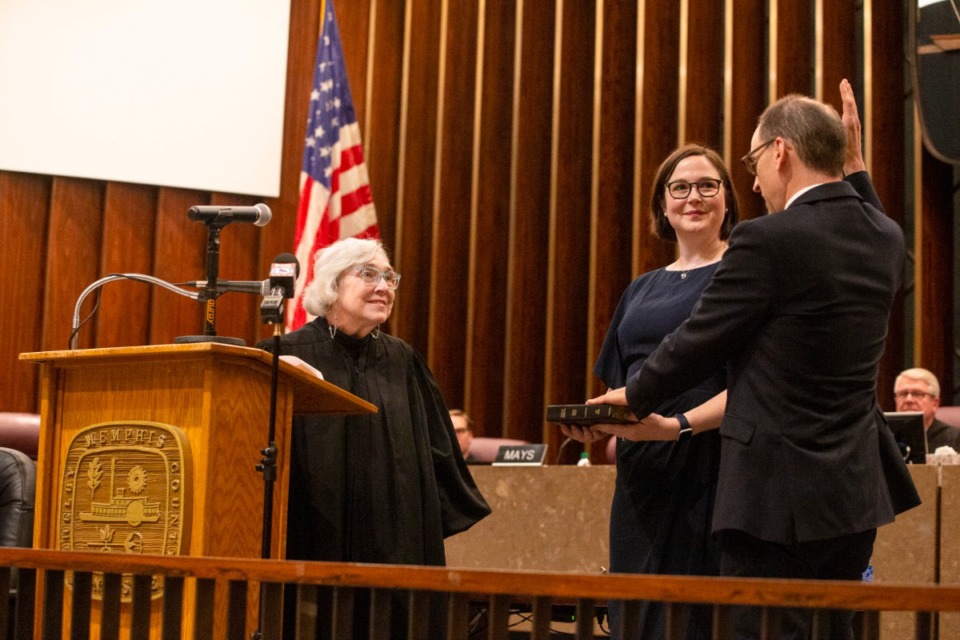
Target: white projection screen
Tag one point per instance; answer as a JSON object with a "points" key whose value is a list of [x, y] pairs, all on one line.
{"points": [[179, 93]]}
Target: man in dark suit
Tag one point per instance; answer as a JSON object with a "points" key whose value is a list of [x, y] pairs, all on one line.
{"points": [[798, 310]]}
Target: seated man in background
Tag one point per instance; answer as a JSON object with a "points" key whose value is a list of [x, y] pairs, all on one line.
{"points": [[919, 390], [463, 426]]}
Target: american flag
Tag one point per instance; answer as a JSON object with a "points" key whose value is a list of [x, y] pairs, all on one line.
{"points": [[335, 200]]}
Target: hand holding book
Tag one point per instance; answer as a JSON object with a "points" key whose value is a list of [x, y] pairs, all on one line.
{"points": [[587, 414]]}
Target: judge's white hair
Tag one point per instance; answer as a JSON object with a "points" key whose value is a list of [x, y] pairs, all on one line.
{"points": [[330, 265]]}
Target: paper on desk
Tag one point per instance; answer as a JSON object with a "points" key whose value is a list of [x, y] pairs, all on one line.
{"points": [[303, 366]]}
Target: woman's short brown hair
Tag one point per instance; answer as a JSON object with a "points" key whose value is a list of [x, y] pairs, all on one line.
{"points": [[659, 224]]}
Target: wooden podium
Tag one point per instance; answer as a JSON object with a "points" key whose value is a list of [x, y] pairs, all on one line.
{"points": [[155, 449]]}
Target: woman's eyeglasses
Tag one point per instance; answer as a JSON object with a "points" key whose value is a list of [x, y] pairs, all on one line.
{"points": [[372, 275], [680, 189]]}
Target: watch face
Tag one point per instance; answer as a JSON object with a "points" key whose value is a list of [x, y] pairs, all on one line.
{"points": [[685, 433]]}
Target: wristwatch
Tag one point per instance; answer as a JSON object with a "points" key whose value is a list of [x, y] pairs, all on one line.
{"points": [[686, 431]]}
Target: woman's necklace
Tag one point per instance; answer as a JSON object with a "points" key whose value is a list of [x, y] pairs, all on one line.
{"points": [[713, 258]]}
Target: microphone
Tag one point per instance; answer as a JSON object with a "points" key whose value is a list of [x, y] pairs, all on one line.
{"points": [[284, 271], [258, 214], [282, 282], [256, 287]]}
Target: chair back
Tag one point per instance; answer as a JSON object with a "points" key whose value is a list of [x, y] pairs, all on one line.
{"points": [[20, 431], [949, 415], [18, 483]]}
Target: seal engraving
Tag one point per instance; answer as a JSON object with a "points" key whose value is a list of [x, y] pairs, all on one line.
{"points": [[126, 489]]}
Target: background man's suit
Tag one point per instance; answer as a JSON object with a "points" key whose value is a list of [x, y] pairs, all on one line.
{"points": [[798, 308]]}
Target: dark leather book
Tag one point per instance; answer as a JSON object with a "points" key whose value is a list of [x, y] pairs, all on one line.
{"points": [[588, 413]]}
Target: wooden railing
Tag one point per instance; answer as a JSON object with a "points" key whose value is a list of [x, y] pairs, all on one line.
{"points": [[225, 596]]}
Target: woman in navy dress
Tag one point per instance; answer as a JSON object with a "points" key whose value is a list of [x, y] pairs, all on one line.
{"points": [[663, 500]]}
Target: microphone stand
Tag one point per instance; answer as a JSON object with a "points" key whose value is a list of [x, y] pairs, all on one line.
{"points": [[272, 314], [208, 296], [268, 463]]}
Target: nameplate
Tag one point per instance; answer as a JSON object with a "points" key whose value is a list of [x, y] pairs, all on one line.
{"points": [[521, 455]]}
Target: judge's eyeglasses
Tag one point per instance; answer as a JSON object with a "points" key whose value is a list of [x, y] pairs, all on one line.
{"points": [[706, 187], [372, 275]]}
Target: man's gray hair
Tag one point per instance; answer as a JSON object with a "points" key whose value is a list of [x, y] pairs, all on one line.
{"points": [[933, 385], [330, 265], [814, 128]]}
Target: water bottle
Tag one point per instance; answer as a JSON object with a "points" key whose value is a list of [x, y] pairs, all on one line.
{"points": [[584, 460]]}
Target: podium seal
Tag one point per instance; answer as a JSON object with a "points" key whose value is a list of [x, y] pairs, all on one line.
{"points": [[125, 489]]}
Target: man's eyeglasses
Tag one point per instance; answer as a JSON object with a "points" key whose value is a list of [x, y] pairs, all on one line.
{"points": [[680, 189], [912, 394], [372, 275], [750, 160]]}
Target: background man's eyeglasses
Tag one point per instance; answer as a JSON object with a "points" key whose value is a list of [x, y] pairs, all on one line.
{"points": [[372, 275], [912, 394], [680, 189], [750, 160]]}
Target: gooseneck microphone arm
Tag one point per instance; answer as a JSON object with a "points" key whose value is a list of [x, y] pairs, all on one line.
{"points": [[137, 277]]}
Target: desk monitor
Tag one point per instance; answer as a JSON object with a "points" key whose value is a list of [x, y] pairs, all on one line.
{"points": [[911, 437]]}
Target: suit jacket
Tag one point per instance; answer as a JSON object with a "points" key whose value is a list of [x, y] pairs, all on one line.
{"points": [[940, 434], [798, 309]]}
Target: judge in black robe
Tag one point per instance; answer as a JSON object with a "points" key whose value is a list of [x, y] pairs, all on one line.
{"points": [[386, 487]]}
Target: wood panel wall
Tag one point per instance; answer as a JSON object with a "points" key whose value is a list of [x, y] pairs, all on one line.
{"points": [[511, 146]]}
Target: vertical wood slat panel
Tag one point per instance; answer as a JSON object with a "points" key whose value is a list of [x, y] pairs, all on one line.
{"points": [[883, 113], [934, 264], [745, 94], [702, 93], [489, 218], [836, 58], [613, 169], [417, 171], [73, 256], [529, 214], [179, 255], [382, 109], [129, 218], [353, 19], [24, 202], [567, 278], [791, 25], [658, 126], [451, 215]]}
